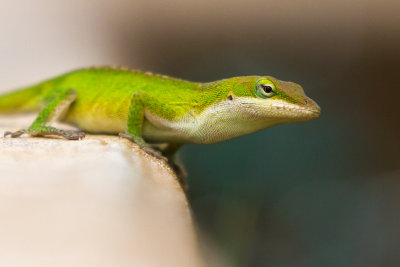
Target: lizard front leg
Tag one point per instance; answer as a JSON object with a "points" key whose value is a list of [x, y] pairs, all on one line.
{"points": [[60, 101], [141, 101]]}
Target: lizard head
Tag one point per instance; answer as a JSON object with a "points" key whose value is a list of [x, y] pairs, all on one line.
{"points": [[270, 99]]}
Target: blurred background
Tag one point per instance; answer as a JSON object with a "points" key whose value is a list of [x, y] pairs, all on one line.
{"points": [[318, 193]]}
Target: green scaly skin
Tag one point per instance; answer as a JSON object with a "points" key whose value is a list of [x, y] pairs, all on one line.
{"points": [[145, 107]]}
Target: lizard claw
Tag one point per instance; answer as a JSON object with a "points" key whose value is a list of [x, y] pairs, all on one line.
{"points": [[14, 134]]}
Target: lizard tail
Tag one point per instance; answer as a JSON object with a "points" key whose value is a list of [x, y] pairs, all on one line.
{"points": [[23, 100]]}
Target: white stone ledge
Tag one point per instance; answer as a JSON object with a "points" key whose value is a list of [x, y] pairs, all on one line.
{"points": [[100, 201]]}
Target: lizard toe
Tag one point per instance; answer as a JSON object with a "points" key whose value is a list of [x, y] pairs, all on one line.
{"points": [[14, 134], [72, 135], [154, 153]]}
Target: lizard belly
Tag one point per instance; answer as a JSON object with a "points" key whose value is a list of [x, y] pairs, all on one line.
{"points": [[98, 124], [97, 119]]}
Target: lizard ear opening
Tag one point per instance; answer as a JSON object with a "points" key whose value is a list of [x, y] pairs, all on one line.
{"points": [[230, 97]]}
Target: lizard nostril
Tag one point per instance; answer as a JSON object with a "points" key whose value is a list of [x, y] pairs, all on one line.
{"points": [[306, 101]]}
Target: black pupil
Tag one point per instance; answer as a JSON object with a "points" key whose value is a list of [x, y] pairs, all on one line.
{"points": [[267, 88]]}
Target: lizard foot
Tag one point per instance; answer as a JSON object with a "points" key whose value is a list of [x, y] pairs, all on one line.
{"points": [[67, 134], [154, 153], [149, 150]]}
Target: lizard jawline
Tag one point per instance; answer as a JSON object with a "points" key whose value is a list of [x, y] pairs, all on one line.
{"points": [[224, 120]]}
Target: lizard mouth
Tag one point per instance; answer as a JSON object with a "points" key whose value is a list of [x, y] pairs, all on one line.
{"points": [[314, 112], [308, 109], [283, 109]]}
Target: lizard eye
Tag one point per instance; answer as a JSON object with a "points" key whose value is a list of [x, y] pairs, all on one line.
{"points": [[265, 88]]}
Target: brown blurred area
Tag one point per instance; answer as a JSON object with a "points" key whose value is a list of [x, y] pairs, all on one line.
{"points": [[321, 193]]}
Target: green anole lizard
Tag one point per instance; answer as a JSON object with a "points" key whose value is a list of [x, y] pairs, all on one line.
{"points": [[145, 107]]}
